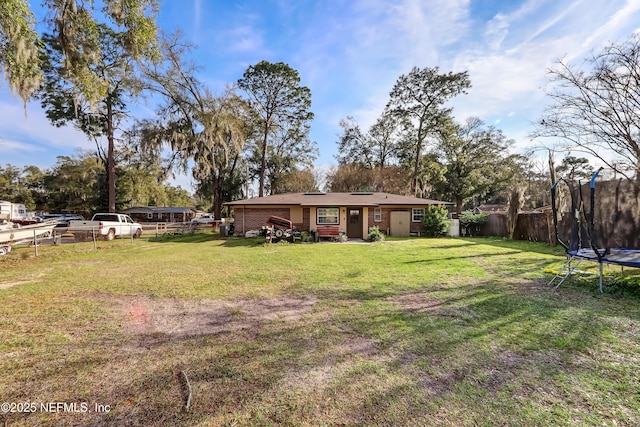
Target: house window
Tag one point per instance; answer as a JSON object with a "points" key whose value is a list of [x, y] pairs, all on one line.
{"points": [[328, 216], [150, 215], [377, 214], [417, 214]]}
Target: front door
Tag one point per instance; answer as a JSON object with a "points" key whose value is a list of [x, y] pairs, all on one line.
{"points": [[354, 223]]}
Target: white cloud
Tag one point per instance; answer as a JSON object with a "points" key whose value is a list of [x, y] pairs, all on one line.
{"points": [[509, 79], [617, 20], [7, 146], [352, 63], [197, 18], [244, 39], [351, 52], [496, 31], [35, 128], [546, 24]]}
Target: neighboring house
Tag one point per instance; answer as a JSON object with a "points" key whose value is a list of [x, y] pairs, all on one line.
{"points": [[155, 214], [351, 213], [490, 209]]}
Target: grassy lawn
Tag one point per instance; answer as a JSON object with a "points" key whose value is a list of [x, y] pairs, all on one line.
{"points": [[442, 332]]}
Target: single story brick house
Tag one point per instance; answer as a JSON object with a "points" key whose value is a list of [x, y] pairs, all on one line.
{"points": [[351, 213], [159, 214]]}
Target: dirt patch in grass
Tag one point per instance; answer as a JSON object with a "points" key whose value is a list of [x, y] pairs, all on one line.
{"points": [[330, 364], [146, 248], [530, 287], [360, 346], [421, 302], [160, 320], [30, 278], [417, 302], [87, 262], [7, 285]]}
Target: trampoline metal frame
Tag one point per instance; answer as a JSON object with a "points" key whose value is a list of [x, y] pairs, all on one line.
{"points": [[574, 253]]}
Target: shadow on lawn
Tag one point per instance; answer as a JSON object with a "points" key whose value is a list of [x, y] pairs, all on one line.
{"points": [[243, 242], [434, 258], [520, 245], [494, 341], [185, 238], [443, 355], [231, 242]]}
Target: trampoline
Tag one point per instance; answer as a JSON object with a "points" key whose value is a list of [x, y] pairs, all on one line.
{"points": [[575, 253]]}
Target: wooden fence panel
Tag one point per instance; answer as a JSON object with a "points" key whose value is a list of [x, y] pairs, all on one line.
{"points": [[534, 226]]}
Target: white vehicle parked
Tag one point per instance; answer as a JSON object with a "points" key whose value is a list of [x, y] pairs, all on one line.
{"points": [[105, 225], [205, 219], [12, 211]]}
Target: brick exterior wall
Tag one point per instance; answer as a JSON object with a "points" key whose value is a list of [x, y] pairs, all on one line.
{"points": [[382, 225], [255, 218], [385, 224], [416, 227]]}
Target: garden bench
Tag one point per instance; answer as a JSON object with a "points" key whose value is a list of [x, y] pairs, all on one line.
{"points": [[328, 231]]}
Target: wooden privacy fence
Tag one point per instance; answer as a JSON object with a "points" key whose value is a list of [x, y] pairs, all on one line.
{"points": [[532, 226], [617, 219], [496, 225], [535, 227], [616, 229]]}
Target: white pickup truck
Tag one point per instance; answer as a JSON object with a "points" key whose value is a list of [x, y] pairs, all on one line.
{"points": [[105, 225]]}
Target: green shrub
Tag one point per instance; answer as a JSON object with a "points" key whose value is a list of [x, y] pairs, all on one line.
{"points": [[375, 235], [435, 221], [471, 222]]}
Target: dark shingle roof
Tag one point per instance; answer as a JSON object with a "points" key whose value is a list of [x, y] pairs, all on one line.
{"points": [[154, 209], [336, 199]]}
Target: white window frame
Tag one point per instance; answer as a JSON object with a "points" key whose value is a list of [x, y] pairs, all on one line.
{"points": [[322, 213], [150, 215], [417, 214], [377, 214]]}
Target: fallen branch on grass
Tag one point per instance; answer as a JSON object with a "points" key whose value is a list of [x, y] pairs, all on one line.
{"points": [[188, 391]]}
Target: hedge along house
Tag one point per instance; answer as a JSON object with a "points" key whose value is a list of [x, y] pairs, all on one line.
{"points": [[351, 213]]}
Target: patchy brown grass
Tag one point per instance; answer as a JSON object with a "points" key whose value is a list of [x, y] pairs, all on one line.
{"points": [[10, 284], [157, 320], [421, 301], [418, 332], [29, 278]]}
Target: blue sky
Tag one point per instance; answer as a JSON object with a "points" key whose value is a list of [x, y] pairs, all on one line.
{"points": [[351, 52]]}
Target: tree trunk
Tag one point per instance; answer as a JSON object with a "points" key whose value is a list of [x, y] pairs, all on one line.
{"points": [[217, 197], [111, 167], [263, 160], [458, 205], [515, 201], [416, 166]]}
